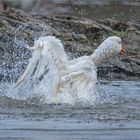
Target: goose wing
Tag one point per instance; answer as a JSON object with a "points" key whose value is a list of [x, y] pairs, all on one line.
{"points": [[47, 53]]}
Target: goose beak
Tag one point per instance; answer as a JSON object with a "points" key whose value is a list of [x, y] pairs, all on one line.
{"points": [[123, 51]]}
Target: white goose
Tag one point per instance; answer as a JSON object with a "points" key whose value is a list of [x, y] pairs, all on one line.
{"points": [[76, 76]]}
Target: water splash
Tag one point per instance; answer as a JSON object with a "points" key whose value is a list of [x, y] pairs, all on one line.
{"points": [[33, 89], [30, 93]]}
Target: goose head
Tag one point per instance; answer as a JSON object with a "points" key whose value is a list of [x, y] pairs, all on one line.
{"points": [[110, 47]]}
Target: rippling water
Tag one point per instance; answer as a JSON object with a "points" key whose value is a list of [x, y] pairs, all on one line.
{"points": [[116, 115]]}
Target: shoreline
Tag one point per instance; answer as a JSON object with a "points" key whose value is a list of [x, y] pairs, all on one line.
{"points": [[75, 34]]}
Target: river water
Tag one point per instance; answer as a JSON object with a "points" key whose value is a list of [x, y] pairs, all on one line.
{"points": [[116, 115], [123, 10]]}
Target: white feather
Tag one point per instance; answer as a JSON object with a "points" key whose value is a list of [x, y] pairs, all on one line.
{"points": [[75, 77]]}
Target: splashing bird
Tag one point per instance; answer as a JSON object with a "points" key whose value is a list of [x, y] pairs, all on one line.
{"points": [[75, 77]]}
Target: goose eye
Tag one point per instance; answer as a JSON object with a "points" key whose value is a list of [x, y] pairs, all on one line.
{"points": [[120, 42]]}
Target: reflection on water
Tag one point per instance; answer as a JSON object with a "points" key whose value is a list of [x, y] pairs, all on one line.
{"points": [[117, 117]]}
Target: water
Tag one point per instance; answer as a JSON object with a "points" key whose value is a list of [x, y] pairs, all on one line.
{"points": [[93, 9], [116, 116], [124, 10]]}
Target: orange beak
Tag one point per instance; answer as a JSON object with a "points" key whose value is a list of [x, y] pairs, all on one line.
{"points": [[123, 51]]}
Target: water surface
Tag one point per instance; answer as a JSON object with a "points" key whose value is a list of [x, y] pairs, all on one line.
{"points": [[115, 116], [123, 10]]}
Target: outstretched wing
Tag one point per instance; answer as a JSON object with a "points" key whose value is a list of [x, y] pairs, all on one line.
{"points": [[47, 53]]}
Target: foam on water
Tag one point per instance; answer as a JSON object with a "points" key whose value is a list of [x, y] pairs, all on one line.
{"points": [[106, 95], [44, 94]]}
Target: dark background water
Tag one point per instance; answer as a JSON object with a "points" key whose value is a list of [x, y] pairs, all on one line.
{"points": [[125, 10]]}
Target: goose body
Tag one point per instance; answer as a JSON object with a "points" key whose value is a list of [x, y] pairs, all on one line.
{"points": [[75, 77]]}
